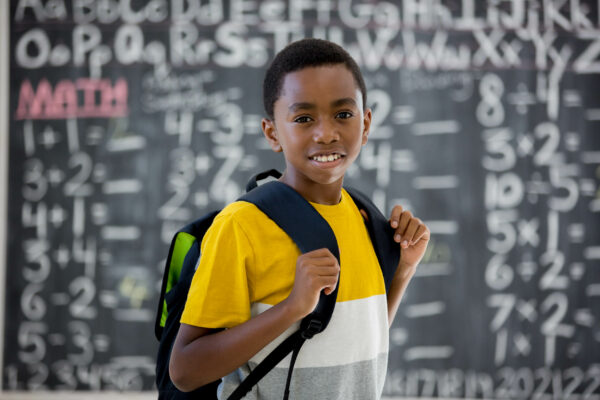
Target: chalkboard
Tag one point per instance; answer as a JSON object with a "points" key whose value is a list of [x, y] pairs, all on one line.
{"points": [[130, 118]]}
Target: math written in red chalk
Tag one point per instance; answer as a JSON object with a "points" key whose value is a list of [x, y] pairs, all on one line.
{"points": [[79, 98]]}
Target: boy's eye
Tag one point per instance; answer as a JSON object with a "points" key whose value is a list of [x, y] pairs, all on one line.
{"points": [[302, 119], [344, 115]]}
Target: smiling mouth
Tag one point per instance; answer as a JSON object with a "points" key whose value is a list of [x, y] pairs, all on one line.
{"points": [[326, 157]]}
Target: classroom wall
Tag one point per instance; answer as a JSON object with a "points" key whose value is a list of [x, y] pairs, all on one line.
{"points": [[125, 120]]}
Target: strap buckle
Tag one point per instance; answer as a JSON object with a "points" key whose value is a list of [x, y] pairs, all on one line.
{"points": [[314, 327]]}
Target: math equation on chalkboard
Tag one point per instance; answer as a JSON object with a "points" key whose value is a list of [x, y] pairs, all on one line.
{"points": [[129, 119]]}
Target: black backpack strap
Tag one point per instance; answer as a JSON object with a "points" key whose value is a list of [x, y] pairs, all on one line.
{"points": [[381, 233], [291, 344], [309, 230], [253, 182]]}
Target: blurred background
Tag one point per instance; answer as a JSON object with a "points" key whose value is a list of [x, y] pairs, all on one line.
{"points": [[123, 120]]}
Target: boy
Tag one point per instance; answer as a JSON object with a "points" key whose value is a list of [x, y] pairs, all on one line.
{"points": [[254, 282]]}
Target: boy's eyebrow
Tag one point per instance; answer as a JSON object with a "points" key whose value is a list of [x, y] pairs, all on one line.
{"points": [[346, 101], [310, 106], [300, 106]]}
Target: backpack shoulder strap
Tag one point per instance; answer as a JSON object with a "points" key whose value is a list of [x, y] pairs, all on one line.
{"points": [[310, 231], [253, 181], [382, 235], [307, 228]]}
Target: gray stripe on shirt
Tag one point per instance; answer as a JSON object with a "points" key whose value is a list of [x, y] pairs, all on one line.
{"points": [[362, 380]]}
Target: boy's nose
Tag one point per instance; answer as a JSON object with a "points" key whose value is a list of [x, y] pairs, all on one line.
{"points": [[325, 132]]}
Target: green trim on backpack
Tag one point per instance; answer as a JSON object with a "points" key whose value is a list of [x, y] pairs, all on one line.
{"points": [[183, 243]]}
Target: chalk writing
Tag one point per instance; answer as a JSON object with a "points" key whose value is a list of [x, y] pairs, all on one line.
{"points": [[63, 101], [130, 119]]}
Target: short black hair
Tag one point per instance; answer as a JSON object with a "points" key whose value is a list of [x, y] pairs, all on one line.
{"points": [[304, 53]]}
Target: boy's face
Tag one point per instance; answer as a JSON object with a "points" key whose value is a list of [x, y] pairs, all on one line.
{"points": [[319, 124]]}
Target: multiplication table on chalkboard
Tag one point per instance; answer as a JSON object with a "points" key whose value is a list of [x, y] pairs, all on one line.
{"points": [[128, 119]]}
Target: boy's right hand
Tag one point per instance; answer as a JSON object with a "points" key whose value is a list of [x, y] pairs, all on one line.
{"points": [[315, 271]]}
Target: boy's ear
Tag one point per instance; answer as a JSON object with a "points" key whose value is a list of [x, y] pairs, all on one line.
{"points": [[366, 125], [270, 132]]}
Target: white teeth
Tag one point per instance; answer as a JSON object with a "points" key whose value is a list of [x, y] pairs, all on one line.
{"points": [[329, 158]]}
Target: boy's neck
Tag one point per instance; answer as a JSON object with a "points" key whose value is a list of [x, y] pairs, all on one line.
{"points": [[327, 194]]}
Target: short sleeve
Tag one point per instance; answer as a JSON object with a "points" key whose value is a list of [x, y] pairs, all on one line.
{"points": [[219, 295]]}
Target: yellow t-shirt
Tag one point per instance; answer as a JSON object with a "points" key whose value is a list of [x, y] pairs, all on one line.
{"points": [[248, 265]]}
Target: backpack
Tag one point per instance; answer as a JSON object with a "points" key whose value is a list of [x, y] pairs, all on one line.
{"points": [[307, 229]]}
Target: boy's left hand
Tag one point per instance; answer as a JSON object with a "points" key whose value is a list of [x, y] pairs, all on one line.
{"points": [[412, 235]]}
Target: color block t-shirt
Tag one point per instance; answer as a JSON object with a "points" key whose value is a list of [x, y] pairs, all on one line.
{"points": [[248, 265]]}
